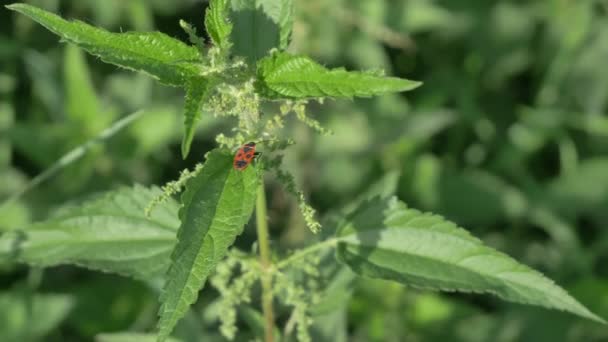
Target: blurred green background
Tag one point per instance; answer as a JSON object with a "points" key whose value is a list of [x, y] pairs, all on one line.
{"points": [[508, 137]]}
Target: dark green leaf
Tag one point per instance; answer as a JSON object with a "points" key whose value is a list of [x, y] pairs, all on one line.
{"points": [[287, 76], [216, 205], [385, 239], [110, 234], [162, 57]]}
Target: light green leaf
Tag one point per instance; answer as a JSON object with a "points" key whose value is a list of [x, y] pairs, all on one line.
{"points": [[259, 26], [110, 234], [216, 205], [218, 24], [154, 53], [82, 104], [385, 239], [287, 76], [129, 337], [196, 93]]}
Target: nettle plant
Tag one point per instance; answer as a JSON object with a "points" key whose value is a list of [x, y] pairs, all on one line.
{"points": [[245, 73]]}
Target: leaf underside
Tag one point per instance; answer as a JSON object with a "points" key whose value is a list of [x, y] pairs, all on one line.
{"points": [[259, 26], [216, 205], [109, 234], [385, 239], [284, 75], [167, 59]]}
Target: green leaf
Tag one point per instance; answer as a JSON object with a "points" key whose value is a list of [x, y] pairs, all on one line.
{"points": [[110, 234], [17, 323], [196, 93], [285, 18], [154, 53], [82, 104], [287, 76], [129, 337], [218, 24], [385, 239], [216, 205], [259, 26]]}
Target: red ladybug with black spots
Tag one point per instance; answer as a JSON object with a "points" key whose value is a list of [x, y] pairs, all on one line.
{"points": [[244, 156]]}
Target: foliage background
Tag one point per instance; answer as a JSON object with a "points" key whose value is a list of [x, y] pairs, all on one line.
{"points": [[508, 137]]}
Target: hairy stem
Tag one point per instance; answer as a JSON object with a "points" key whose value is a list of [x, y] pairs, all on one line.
{"points": [[266, 279], [310, 249]]}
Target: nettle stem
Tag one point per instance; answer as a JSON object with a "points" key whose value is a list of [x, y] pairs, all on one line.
{"points": [[266, 279]]}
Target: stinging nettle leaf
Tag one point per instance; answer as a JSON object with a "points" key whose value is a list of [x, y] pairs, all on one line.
{"points": [[385, 239], [110, 233], [218, 24], [217, 204], [259, 26], [169, 60], [282, 75], [197, 89], [286, 17]]}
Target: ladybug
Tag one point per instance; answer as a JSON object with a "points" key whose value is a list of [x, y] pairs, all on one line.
{"points": [[244, 156]]}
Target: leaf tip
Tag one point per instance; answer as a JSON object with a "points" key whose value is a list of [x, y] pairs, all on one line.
{"points": [[596, 318], [417, 84], [411, 85], [15, 6], [186, 146]]}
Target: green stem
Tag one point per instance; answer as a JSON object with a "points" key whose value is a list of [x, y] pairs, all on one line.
{"points": [[74, 155], [266, 278], [310, 249]]}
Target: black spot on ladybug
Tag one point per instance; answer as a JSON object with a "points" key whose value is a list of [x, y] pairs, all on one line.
{"points": [[240, 163]]}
